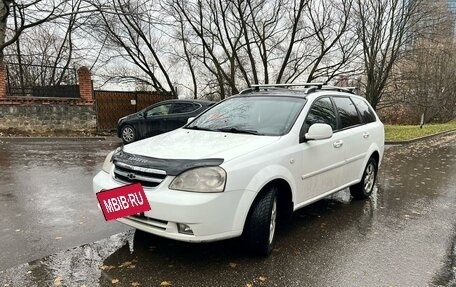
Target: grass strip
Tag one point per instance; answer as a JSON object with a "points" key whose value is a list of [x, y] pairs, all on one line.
{"points": [[408, 132]]}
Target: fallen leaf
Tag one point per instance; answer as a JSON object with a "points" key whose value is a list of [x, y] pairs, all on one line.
{"points": [[107, 267], [29, 272], [248, 285], [262, 278], [125, 264], [115, 281], [58, 238], [17, 230], [58, 281], [233, 265], [135, 284], [165, 283]]}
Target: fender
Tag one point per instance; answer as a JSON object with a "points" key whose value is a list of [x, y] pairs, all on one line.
{"points": [[373, 148], [256, 184]]}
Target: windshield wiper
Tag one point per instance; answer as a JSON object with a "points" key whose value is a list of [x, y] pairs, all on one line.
{"points": [[238, 131], [198, 128]]}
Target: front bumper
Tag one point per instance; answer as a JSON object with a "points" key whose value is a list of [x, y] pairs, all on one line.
{"points": [[211, 216]]}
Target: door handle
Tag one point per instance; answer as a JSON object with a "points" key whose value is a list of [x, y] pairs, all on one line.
{"points": [[338, 144], [366, 135]]}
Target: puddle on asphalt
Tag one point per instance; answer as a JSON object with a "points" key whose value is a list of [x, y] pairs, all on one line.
{"points": [[74, 267]]}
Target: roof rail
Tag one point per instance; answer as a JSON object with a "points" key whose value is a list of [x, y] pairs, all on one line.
{"points": [[339, 89], [257, 88], [287, 85], [311, 87]]}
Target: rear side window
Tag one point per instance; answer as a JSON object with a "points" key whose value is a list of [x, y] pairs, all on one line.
{"points": [[367, 114], [180, 108], [347, 112], [322, 112]]}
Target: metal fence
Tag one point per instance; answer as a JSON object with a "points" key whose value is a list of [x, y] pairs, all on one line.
{"points": [[28, 80], [111, 106]]}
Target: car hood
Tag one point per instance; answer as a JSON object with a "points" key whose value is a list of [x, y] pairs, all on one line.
{"points": [[194, 144]]}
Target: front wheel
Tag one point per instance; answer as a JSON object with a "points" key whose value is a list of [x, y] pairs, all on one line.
{"points": [[128, 134], [364, 188], [261, 224]]}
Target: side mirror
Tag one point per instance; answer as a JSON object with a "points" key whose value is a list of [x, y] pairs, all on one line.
{"points": [[141, 114], [319, 132], [189, 120]]}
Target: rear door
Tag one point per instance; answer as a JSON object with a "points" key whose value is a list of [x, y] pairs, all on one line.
{"points": [[370, 130], [353, 134], [322, 160]]}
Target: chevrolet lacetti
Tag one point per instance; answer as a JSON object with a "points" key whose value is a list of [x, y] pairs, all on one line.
{"points": [[250, 161]]}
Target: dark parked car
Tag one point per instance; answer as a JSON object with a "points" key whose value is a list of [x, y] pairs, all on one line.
{"points": [[159, 118]]}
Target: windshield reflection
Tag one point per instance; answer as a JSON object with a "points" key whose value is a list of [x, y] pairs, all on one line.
{"points": [[272, 116]]}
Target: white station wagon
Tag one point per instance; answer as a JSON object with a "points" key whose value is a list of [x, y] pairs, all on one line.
{"points": [[249, 161]]}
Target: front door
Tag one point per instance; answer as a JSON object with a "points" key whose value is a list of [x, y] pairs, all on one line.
{"points": [[322, 160], [179, 115], [356, 138], [155, 122]]}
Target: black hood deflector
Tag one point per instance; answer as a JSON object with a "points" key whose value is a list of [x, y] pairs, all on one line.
{"points": [[171, 166]]}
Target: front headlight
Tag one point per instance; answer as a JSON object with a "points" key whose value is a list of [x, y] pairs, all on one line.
{"points": [[202, 179], [107, 164]]}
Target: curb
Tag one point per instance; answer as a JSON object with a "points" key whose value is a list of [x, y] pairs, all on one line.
{"points": [[419, 139]]}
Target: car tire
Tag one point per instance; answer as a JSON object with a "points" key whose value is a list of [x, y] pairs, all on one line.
{"points": [[364, 188], [260, 228], [128, 134]]}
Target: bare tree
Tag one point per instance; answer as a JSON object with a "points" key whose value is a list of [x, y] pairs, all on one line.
{"points": [[26, 14], [424, 77], [135, 35], [384, 28], [245, 42]]}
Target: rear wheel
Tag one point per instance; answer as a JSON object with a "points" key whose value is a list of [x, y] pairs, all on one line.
{"points": [[260, 228], [364, 188], [128, 134]]}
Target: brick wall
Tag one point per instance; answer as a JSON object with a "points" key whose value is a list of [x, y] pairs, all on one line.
{"points": [[85, 84], [3, 82], [37, 115]]}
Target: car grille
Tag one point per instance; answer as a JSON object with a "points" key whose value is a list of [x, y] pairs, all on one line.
{"points": [[152, 222], [134, 174]]}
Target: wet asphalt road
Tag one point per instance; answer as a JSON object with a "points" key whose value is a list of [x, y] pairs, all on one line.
{"points": [[402, 236], [46, 199]]}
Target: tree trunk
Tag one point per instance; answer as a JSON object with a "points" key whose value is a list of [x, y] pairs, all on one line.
{"points": [[4, 12]]}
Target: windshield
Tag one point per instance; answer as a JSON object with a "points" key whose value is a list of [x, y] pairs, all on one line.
{"points": [[271, 116]]}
